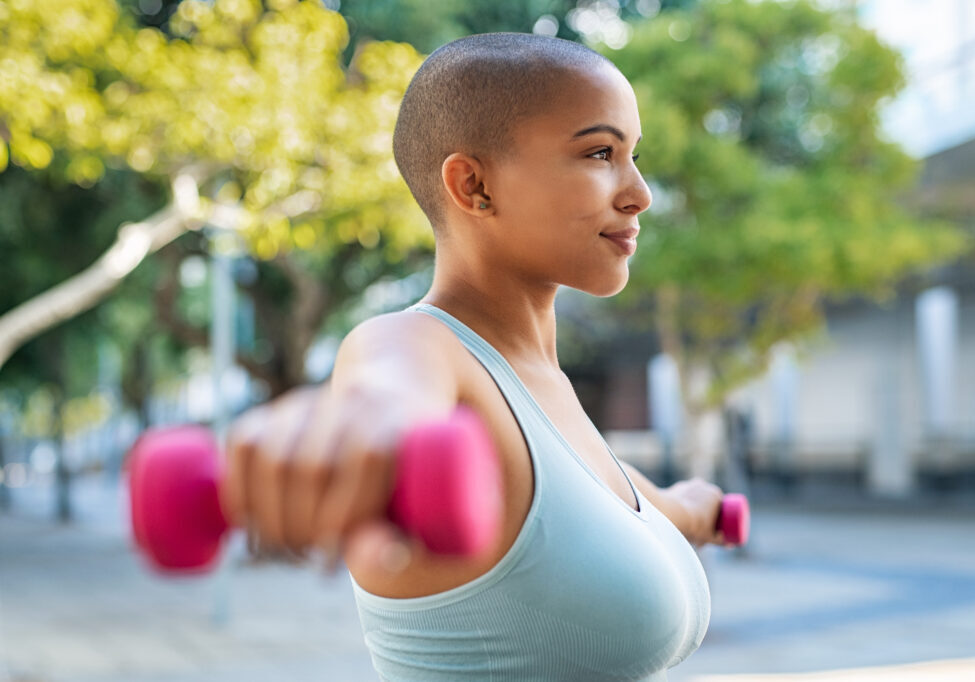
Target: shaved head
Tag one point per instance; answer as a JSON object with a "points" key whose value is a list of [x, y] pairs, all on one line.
{"points": [[469, 95]]}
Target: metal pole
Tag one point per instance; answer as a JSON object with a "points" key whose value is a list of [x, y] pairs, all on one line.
{"points": [[223, 247], [663, 388]]}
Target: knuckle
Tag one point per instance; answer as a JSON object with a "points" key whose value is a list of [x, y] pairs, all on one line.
{"points": [[248, 426], [373, 460], [238, 447], [306, 469], [236, 437], [271, 465]]}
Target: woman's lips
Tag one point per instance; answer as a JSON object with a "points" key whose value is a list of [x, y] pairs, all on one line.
{"points": [[624, 239]]}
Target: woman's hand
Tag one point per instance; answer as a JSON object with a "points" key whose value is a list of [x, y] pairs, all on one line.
{"points": [[700, 504], [307, 472], [315, 468]]}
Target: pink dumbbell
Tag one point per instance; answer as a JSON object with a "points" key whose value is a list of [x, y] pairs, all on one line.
{"points": [[734, 519], [447, 491]]}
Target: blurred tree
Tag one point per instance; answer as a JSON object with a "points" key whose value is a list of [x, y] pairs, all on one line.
{"points": [[40, 212], [774, 187], [428, 24], [248, 118], [293, 275]]}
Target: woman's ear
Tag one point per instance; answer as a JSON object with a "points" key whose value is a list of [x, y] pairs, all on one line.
{"points": [[463, 178]]}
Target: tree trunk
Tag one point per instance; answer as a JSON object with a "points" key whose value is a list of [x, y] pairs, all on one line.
{"points": [[137, 380], [705, 427], [703, 430]]}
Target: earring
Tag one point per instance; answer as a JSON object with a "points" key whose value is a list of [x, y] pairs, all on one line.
{"points": [[483, 205]]}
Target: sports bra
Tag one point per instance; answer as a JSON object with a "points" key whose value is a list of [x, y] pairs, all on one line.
{"points": [[591, 589]]}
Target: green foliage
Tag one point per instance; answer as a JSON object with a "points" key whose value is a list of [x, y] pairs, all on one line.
{"points": [[258, 97], [775, 189], [428, 24], [253, 97]]}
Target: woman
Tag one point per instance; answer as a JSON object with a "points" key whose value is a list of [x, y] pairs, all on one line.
{"points": [[519, 150]]}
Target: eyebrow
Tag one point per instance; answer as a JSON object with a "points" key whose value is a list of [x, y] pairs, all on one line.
{"points": [[603, 128]]}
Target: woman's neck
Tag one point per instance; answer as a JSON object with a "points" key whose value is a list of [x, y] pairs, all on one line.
{"points": [[515, 317]]}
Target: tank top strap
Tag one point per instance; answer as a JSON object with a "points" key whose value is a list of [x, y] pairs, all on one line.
{"points": [[542, 436], [514, 391]]}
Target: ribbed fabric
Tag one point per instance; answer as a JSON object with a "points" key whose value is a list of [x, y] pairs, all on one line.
{"points": [[591, 590]]}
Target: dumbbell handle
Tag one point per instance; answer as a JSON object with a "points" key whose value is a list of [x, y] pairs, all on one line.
{"points": [[447, 491]]}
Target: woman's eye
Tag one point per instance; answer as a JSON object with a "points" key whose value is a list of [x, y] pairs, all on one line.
{"points": [[606, 153]]}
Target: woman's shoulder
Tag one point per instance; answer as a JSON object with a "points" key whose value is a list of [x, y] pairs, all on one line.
{"points": [[409, 327], [407, 339]]}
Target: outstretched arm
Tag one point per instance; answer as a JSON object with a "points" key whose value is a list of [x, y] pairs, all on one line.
{"points": [[315, 468], [691, 505]]}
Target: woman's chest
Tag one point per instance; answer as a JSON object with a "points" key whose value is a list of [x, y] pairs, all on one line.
{"points": [[621, 591], [558, 400]]}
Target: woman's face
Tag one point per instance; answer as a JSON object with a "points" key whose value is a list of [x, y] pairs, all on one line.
{"points": [[566, 200]]}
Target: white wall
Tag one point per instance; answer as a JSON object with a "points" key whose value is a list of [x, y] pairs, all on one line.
{"points": [[862, 384]]}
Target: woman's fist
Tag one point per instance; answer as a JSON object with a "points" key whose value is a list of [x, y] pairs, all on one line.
{"points": [[700, 502], [306, 470]]}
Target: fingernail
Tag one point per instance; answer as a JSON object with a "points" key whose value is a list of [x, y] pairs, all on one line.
{"points": [[394, 557]]}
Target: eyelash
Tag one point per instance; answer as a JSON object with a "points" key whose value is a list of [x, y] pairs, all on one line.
{"points": [[609, 150]]}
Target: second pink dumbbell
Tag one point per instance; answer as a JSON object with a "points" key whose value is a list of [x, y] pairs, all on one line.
{"points": [[734, 519]]}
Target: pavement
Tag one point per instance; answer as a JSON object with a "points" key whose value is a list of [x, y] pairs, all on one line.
{"points": [[823, 593]]}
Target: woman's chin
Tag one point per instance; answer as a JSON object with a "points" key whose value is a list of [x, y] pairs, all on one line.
{"points": [[608, 287]]}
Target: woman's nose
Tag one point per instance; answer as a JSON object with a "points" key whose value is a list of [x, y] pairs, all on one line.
{"points": [[636, 197]]}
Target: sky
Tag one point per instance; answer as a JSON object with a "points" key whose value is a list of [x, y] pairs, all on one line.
{"points": [[937, 37]]}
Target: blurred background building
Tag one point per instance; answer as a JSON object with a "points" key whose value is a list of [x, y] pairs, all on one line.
{"points": [[890, 394], [885, 399]]}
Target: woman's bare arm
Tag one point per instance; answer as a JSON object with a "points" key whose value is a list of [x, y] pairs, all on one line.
{"points": [[691, 505], [311, 467]]}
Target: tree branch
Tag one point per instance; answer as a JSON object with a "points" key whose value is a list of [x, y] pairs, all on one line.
{"points": [[83, 291]]}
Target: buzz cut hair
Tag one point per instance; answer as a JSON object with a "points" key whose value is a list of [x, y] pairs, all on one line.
{"points": [[468, 96]]}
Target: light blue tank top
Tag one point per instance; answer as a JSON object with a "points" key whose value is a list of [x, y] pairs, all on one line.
{"points": [[591, 589]]}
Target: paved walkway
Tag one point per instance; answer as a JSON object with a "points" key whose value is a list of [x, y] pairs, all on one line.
{"points": [[817, 591]]}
